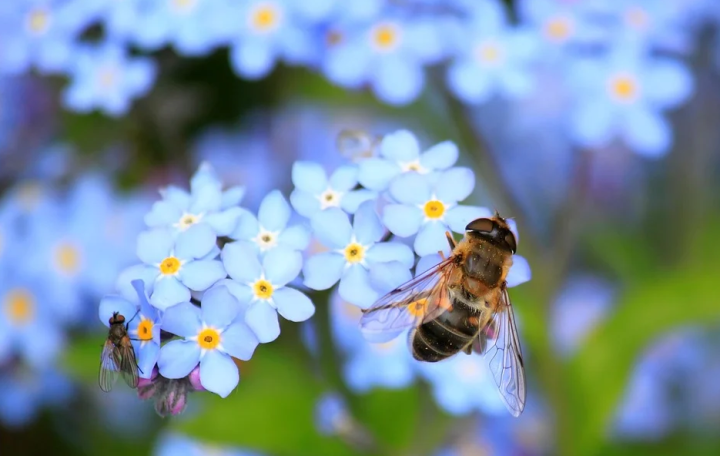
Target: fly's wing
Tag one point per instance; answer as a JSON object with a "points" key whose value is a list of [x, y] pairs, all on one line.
{"points": [[499, 340], [419, 300], [109, 367], [128, 365]]}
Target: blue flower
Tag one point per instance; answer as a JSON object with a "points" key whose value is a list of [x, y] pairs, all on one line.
{"points": [[24, 392], [144, 324], [624, 95], [211, 336], [427, 205], [266, 31], [357, 259], [400, 153], [270, 229], [492, 57], [104, 77], [263, 287], [331, 414], [314, 192], [175, 265], [206, 205], [172, 444]]}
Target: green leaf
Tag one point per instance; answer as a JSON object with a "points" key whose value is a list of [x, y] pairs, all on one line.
{"points": [[81, 359]]}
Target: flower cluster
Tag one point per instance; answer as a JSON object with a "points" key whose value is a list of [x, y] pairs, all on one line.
{"points": [[617, 83]]}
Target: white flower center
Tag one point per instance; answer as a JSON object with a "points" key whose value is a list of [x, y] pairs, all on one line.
{"points": [[265, 17], [38, 21], [266, 239], [329, 198], [187, 220], [183, 6], [413, 166]]}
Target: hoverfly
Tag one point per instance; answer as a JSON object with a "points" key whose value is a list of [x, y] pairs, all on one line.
{"points": [[118, 355], [461, 304]]}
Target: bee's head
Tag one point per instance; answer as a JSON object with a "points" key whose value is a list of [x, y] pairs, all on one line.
{"points": [[116, 318], [495, 230]]}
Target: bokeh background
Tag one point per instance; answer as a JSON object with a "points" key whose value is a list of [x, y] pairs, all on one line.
{"points": [[593, 123]]}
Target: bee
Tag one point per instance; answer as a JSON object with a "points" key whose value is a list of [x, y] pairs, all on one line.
{"points": [[460, 305], [118, 355]]}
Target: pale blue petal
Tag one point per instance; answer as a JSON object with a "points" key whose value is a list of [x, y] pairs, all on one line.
{"points": [[667, 83], [385, 277], [232, 196], [242, 292], [376, 173], [218, 373], [410, 188], [241, 262], [223, 223], [647, 132], [400, 146], [519, 271], [398, 81], [205, 175], [367, 226], [154, 246], [391, 251], [176, 196], [182, 320], [113, 303], [177, 358], [247, 228], [440, 156], [147, 358], [469, 82], [355, 287], [201, 274], [263, 321], [281, 265], [163, 213], [293, 305], [304, 203], [219, 307], [431, 238], [195, 242], [296, 237], [40, 351], [252, 58], [455, 185], [207, 198], [459, 216], [309, 177], [239, 341], [344, 178], [323, 270], [147, 274], [168, 292], [402, 220], [430, 261], [352, 200], [593, 123], [332, 228], [274, 211]]}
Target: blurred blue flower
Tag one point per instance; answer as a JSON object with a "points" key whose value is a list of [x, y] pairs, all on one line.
{"points": [[427, 205], [143, 320], [172, 444], [104, 77], [41, 33], [491, 56], [268, 30], [624, 95], [212, 335], [270, 229], [388, 54], [331, 414], [400, 153], [23, 392], [205, 205], [314, 192], [175, 265], [561, 24], [262, 286], [357, 259]]}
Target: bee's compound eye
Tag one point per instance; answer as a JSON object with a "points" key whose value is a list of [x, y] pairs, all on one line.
{"points": [[481, 224], [511, 242]]}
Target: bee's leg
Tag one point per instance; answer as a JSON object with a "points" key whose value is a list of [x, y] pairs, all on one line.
{"points": [[450, 240]]}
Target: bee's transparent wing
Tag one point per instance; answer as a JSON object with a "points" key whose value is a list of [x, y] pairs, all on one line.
{"points": [[128, 365], [109, 367], [499, 340], [420, 299]]}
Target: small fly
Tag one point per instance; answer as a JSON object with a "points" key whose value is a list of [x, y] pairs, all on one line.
{"points": [[118, 355]]}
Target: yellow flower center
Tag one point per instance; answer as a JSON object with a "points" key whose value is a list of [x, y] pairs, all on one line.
{"points": [[637, 17], [434, 209], [144, 329], [208, 339], [417, 308], [38, 21], [354, 253], [329, 198], [183, 6], [386, 36], [170, 265], [67, 258], [263, 289], [624, 88], [265, 17], [488, 53], [19, 306], [558, 28], [333, 38]]}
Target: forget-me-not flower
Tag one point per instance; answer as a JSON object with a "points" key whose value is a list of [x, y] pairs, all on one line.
{"points": [[269, 229], [24, 392], [356, 255], [428, 205], [211, 336], [400, 153], [174, 265], [173, 444], [314, 192], [262, 286]]}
